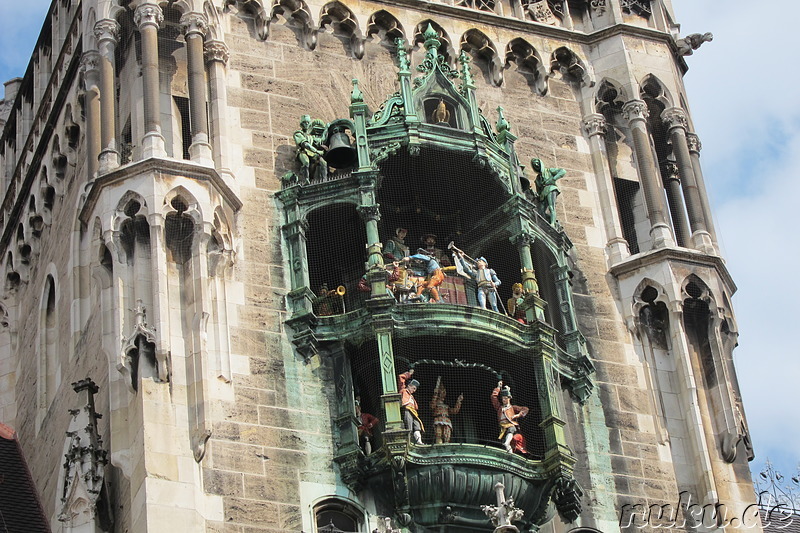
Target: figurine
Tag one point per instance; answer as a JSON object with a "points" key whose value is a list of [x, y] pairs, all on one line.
{"points": [[309, 152], [485, 277], [508, 416], [441, 115], [365, 424], [442, 427], [409, 405], [429, 240], [396, 247], [329, 302], [517, 296], [427, 268], [546, 187]]}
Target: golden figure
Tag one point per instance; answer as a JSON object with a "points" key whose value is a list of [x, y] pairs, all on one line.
{"points": [[441, 114]]}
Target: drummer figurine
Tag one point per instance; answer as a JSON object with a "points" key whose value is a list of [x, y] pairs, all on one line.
{"points": [[442, 426], [508, 418]]}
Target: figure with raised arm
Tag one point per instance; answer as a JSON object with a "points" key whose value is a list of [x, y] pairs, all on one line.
{"points": [[508, 417], [485, 277], [546, 187], [408, 405], [442, 426]]}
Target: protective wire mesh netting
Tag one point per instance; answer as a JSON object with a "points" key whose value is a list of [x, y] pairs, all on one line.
{"points": [[447, 369], [427, 202]]}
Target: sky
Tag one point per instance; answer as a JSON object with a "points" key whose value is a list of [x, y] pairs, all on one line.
{"points": [[743, 97]]}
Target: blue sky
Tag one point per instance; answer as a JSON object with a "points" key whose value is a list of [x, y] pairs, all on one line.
{"points": [[742, 90]]}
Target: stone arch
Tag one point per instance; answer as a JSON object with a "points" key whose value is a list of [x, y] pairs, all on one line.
{"points": [[182, 217], [256, 9], [571, 67], [48, 358], [386, 26], [609, 93], [476, 42], [72, 130], [529, 63], [298, 18], [345, 26], [58, 159], [446, 49], [13, 277], [125, 206], [215, 32], [653, 88]]}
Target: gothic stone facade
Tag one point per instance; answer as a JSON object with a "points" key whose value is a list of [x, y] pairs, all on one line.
{"points": [[159, 237]]}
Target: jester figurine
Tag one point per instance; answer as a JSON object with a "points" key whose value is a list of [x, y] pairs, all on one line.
{"points": [[310, 151], [409, 405], [442, 426], [485, 277], [508, 418], [546, 187]]}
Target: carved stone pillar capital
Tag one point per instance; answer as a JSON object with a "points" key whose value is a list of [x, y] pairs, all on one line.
{"points": [[216, 51], [90, 66], [694, 143], [523, 239], [194, 24], [675, 117], [594, 124], [670, 172], [106, 30], [148, 15], [635, 110], [370, 212]]}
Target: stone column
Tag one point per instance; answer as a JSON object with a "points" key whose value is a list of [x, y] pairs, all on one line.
{"points": [[635, 112], [107, 33], [672, 183], [675, 119], [194, 28], [216, 54], [148, 18], [90, 63], [595, 127], [694, 152]]}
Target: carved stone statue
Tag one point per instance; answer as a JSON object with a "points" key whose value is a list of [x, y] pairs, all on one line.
{"points": [[692, 42], [546, 187], [309, 152]]}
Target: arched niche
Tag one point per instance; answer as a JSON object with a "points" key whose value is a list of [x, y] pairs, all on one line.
{"points": [[336, 242], [444, 192]]}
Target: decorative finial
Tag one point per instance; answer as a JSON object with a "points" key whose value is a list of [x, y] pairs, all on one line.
{"points": [[502, 124], [356, 97], [431, 38], [466, 72], [402, 56]]}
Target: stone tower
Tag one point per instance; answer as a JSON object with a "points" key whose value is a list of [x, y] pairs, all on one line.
{"points": [[296, 258]]}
